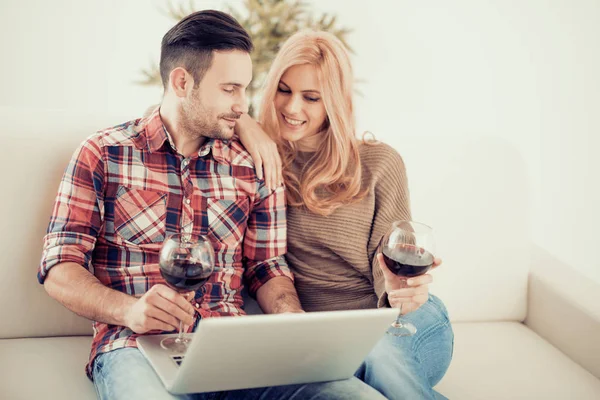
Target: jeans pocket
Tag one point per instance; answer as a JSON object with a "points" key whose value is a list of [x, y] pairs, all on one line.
{"points": [[97, 366], [97, 374]]}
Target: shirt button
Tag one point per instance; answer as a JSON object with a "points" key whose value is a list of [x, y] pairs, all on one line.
{"points": [[187, 201], [197, 305]]}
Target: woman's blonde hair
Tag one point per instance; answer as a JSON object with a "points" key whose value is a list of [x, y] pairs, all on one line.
{"points": [[333, 177]]}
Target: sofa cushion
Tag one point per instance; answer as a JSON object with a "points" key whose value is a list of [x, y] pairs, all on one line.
{"points": [[491, 361], [45, 368], [507, 360]]}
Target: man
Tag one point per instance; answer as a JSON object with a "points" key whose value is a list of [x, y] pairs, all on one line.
{"points": [[178, 170]]}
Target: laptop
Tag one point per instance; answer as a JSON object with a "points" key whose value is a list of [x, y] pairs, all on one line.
{"points": [[229, 353]]}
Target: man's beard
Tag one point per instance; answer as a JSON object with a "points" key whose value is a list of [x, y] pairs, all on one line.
{"points": [[197, 121]]}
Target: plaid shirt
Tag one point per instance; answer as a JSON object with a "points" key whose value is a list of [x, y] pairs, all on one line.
{"points": [[127, 188]]}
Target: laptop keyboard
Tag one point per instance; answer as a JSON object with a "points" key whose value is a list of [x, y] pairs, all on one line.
{"points": [[178, 359]]}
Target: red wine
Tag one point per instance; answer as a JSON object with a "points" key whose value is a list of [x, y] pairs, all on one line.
{"points": [[408, 260], [184, 276]]}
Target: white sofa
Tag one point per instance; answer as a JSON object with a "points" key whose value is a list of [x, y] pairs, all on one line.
{"points": [[526, 326]]}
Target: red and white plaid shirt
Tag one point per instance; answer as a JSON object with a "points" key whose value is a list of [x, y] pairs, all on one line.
{"points": [[127, 188]]}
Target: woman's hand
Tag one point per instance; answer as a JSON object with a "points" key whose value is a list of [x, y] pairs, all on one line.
{"points": [[406, 294], [262, 149]]}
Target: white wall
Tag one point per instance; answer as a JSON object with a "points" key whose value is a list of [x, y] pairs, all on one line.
{"points": [[526, 71], [80, 54]]}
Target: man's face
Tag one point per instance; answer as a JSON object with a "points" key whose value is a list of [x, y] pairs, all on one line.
{"points": [[211, 109]]}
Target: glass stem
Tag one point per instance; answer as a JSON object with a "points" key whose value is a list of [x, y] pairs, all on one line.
{"points": [[180, 336], [398, 322]]}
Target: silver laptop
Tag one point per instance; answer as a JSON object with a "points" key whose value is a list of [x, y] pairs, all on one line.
{"points": [[252, 351]]}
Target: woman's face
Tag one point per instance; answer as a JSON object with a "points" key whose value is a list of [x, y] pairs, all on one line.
{"points": [[299, 105]]}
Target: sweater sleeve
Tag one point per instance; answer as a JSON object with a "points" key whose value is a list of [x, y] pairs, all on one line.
{"points": [[392, 203]]}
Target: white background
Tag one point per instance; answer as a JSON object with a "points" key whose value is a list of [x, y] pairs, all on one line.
{"points": [[526, 71]]}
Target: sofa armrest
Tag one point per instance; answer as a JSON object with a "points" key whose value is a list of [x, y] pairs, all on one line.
{"points": [[564, 308]]}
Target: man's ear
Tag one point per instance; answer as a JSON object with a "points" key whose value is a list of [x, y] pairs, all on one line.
{"points": [[181, 82]]}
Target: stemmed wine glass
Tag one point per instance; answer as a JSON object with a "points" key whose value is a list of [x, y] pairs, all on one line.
{"points": [[408, 249], [186, 262]]}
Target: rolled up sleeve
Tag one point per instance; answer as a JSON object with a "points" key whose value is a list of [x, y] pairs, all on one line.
{"points": [[266, 240], [78, 211]]}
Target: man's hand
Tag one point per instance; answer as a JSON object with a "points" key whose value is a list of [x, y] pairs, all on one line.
{"points": [[161, 308], [262, 149], [406, 294]]}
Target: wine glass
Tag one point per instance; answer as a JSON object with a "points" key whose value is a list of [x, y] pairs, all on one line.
{"points": [[408, 249], [186, 262]]}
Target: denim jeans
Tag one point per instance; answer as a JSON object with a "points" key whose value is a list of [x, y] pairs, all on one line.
{"points": [[125, 374], [408, 367]]}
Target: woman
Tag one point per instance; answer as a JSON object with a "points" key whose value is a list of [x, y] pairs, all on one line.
{"points": [[343, 195]]}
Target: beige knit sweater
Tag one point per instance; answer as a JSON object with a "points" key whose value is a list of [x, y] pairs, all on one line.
{"points": [[332, 257]]}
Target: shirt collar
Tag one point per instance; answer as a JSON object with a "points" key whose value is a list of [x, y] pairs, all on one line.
{"points": [[156, 134]]}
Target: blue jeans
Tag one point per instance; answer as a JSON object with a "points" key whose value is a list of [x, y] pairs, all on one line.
{"points": [[125, 374], [408, 367]]}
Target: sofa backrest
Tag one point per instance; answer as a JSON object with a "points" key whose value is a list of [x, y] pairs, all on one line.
{"points": [[473, 192], [36, 147]]}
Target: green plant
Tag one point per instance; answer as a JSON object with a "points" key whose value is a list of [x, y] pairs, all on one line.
{"points": [[269, 23]]}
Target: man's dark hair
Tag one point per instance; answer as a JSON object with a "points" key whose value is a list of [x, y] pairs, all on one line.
{"points": [[190, 43]]}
